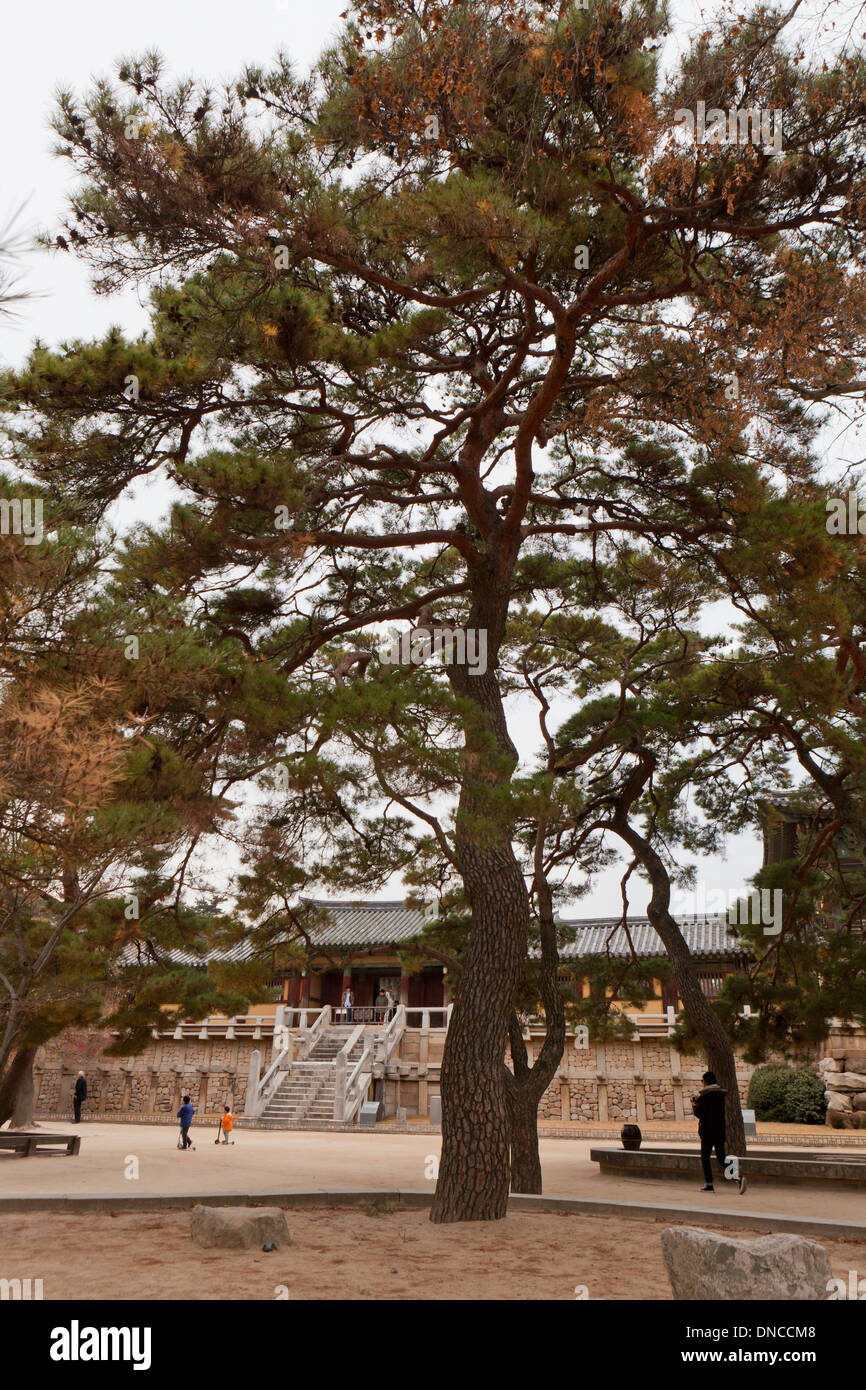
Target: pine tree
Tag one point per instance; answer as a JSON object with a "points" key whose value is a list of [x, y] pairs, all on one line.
{"points": [[460, 302]]}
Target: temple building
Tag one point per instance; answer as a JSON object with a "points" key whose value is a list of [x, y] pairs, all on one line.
{"points": [[305, 1060], [310, 1057], [358, 950]]}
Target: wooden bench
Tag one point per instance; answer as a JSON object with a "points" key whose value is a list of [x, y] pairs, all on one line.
{"points": [[25, 1142]]}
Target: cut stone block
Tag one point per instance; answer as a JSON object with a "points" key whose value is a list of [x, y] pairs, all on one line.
{"points": [[712, 1268], [238, 1228], [846, 1119], [849, 1081], [837, 1101]]}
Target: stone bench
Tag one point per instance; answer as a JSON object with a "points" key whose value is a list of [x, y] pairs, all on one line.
{"points": [[25, 1143], [785, 1167]]}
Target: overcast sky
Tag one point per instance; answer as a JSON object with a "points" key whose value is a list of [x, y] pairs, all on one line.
{"points": [[56, 44]]}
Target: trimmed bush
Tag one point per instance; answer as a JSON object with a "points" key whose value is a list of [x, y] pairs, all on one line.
{"points": [[788, 1095]]}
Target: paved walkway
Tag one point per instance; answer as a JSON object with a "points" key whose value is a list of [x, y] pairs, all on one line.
{"points": [[120, 1160]]}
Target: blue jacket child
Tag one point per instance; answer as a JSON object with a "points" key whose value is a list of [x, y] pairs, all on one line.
{"points": [[185, 1114]]}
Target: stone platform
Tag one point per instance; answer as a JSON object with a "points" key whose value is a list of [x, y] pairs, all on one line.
{"points": [[775, 1166]]}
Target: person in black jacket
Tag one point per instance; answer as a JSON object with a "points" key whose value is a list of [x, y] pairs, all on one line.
{"points": [[709, 1106], [78, 1095]]}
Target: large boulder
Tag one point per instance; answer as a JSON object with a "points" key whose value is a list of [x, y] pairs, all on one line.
{"points": [[859, 1100], [830, 1064], [837, 1101], [712, 1268], [238, 1228], [849, 1081], [846, 1119], [855, 1061]]}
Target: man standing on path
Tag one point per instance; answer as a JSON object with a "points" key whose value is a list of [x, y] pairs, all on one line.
{"points": [[79, 1095], [709, 1106], [348, 1002]]}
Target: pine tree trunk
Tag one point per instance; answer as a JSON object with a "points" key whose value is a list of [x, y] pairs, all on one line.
{"points": [[475, 1159], [25, 1096], [700, 1013], [474, 1166], [12, 1079], [522, 1115], [707, 1025], [527, 1084], [525, 1158]]}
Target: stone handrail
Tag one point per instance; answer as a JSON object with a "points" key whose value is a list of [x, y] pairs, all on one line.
{"points": [[425, 1010], [356, 1033], [311, 1035], [392, 1034], [259, 1092], [341, 1063], [286, 1014], [357, 1084], [358, 1067], [343, 1098]]}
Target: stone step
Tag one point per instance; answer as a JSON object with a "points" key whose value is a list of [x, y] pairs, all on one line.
{"points": [[326, 1056], [326, 1093]]}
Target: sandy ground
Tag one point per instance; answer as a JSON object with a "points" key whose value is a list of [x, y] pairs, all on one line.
{"points": [[341, 1253], [356, 1253], [126, 1160]]}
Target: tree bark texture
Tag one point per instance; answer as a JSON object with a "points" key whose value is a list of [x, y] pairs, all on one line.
{"points": [[474, 1167]]}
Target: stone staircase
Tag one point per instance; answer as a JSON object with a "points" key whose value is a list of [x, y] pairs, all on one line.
{"points": [[306, 1095]]}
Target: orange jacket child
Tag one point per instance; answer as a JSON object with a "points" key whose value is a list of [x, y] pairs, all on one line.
{"points": [[226, 1125]]}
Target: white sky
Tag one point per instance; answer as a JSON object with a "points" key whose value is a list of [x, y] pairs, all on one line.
{"points": [[57, 44]]}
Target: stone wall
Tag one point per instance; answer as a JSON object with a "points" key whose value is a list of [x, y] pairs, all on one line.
{"points": [[643, 1081], [212, 1071], [844, 1074]]}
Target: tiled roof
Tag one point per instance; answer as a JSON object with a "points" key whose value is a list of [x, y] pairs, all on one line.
{"points": [[705, 936], [357, 925], [366, 923]]}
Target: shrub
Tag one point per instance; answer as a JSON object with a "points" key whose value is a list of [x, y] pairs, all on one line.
{"points": [[788, 1095]]}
